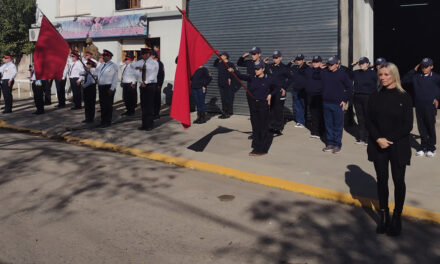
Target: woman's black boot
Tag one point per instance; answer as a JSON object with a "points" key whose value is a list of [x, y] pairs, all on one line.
{"points": [[395, 226], [384, 220]]}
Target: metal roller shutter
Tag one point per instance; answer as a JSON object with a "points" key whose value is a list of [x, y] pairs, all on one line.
{"points": [[291, 26]]}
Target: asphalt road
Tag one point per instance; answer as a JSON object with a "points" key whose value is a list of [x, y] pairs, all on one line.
{"points": [[61, 203]]}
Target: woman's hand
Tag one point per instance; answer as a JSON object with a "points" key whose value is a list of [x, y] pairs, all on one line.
{"points": [[384, 143]]}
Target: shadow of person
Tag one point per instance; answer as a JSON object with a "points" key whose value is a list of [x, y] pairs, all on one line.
{"points": [[363, 187], [201, 144]]}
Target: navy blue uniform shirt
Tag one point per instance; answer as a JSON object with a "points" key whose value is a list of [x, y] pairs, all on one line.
{"points": [[280, 74], [426, 88], [313, 81], [337, 86], [365, 82], [201, 78], [259, 87], [298, 79], [223, 74]]}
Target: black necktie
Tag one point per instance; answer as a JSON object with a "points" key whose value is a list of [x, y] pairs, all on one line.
{"points": [[144, 72]]}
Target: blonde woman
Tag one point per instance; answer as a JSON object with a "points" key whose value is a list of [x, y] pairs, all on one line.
{"points": [[389, 123]]}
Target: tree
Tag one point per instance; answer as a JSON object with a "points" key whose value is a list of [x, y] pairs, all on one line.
{"points": [[16, 18]]}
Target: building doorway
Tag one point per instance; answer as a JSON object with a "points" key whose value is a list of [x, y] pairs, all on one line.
{"points": [[405, 31]]}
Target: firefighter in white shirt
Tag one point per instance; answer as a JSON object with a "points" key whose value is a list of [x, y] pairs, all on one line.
{"points": [[129, 79], [8, 72], [38, 90], [107, 81], [149, 69], [75, 68], [61, 88]]}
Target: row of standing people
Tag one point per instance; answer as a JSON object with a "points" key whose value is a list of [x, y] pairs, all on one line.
{"points": [[325, 90], [384, 109], [86, 75]]}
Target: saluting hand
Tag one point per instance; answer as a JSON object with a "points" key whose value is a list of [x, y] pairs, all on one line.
{"points": [[308, 62], [354, 63], [383, 143], [245, 55], [292, 61], [266, 60], [417, 67]]}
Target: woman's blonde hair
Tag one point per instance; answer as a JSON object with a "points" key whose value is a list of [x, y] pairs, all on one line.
{"points": [[394, 71]]}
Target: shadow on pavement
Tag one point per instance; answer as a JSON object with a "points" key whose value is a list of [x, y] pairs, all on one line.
{"points": [[308, 232]]}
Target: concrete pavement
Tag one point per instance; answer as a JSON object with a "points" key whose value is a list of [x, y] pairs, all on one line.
{"points": [[292, 157], [61, 203]]}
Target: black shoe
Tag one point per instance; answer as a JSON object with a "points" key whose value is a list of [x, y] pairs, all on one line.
{"points": [[38, 113], [7, 112], [202, 118], [395, 227], [384, 221], [276, 132], [148, 129], [141, 128], [156, 117], [130, 114], [75, 108], [197, 121], [223, 116], [60, 106], [125, 113], [87, 121], [105, 125], [48, 103]]}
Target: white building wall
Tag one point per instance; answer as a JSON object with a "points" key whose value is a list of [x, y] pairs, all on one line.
{"points": [[363, 30]]}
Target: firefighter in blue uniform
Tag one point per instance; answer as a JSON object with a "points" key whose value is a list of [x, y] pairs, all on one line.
{"points": [[225, 84], [280, 73]]}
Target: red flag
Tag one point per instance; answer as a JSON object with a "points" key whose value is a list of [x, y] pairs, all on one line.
{"points": [[50, 53], [194, 51]]}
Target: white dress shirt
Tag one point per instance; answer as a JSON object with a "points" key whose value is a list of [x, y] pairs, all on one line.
{"points": [[108, 74], [75, 68], [8, 71], [129, 74], [152, 69]]}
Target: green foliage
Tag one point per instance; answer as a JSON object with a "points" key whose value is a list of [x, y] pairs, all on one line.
{"points": [[16, 17]]}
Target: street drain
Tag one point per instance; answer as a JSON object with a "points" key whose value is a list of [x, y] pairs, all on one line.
{"points": [[226, 197]]}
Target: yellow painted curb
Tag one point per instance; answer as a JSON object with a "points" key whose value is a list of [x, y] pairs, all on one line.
{"points": [[310, 190]]}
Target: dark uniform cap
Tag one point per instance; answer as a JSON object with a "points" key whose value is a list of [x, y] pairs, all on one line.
{"points": [[299, 56], [107, 52], [74, 54], [225, 53], [145, 51], [337, 57], [426, 62], [129, 57], [317, 59], [255, 50], [7, 56], [276, 54], [380, 61], [332, 60], [259, 65], [91, 62], [364, 60]]}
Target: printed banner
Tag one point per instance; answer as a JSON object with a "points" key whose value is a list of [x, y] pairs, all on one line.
{"points": [[102, 27]]}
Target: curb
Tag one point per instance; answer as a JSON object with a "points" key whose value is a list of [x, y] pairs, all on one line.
{"points": [[309, 190]]}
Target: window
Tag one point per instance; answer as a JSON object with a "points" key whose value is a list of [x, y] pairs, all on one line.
{"points": [[74, 7], [127, 4]]}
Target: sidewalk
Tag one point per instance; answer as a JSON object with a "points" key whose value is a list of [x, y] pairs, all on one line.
{"points": [[292, 156]]}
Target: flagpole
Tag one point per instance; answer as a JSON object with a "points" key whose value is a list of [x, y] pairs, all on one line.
{"points": [[216, 53]]}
